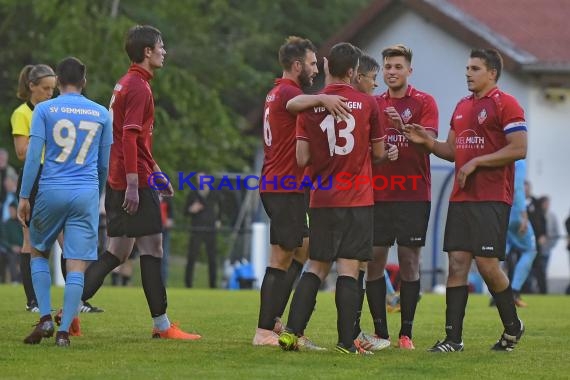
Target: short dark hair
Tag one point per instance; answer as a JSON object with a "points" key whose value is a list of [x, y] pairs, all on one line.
{"points": [[71, 71], [398, 50], [367, 64], [492, 59], [138, 38], [343, 57], [294, 49]]}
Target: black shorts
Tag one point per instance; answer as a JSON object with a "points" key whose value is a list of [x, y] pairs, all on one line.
{"points": [[341, 233], [477, 227], [288, 215], [146, 221], [35, 187], [403, 222]]}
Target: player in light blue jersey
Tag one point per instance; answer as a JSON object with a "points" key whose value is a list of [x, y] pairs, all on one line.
{"points": [[76, 135], [520, 234]]}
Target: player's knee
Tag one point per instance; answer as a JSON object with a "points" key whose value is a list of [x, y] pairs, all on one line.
{"points": [[319, 269], [375, 270]]}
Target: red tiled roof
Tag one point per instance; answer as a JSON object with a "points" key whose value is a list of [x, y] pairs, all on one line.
{"points": [[540, 27], [533, 35]]}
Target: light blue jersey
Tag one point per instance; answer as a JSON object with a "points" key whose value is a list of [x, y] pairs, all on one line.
{"points": [[73, 127], [519, 199], [76, 135], [523, 242]]}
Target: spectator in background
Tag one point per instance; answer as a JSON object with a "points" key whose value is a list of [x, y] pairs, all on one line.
{"points": [[203, 206], [10, 184], [11, 237], [167, 213], [538, 222], [551, 228], [5, 171]]}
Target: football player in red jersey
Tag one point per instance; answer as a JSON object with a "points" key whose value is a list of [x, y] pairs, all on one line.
{"points": [[341, 216], [401, 213], [132, 206], [364, 81], [487, 135], [280, 190]]}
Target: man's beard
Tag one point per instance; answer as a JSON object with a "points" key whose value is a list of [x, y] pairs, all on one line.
{"points": [[305, 80]]}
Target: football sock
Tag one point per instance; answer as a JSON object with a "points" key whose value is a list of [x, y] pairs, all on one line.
{"points": [[376, 295], [71, 298], [361, 291], [346, 299], [303, 302], [409, 292], [41, 278], [96, 273], [153, 286], [63, 264], [270, 297], [456, 301], [161, 322], [292, 275], [27, 277], [507, 310]]}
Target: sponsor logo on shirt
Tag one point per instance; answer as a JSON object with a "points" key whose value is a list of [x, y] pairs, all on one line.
{"points": [[394, 136], [469, 139]]}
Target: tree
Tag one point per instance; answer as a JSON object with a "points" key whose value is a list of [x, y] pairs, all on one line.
{"points": [[221, 61]]}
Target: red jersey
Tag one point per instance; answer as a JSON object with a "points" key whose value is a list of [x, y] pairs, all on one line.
{"points": [[340, 150], [132, 107], [280, 168], [409, 177], [480, 127]]}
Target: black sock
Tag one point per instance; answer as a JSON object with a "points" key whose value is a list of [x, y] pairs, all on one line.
{"points": [[63, 264], [361, 291], [507, 310], [303, 302], [409, 292], [26, 272], [376, 295], [126, 280], [153, 286], [292, 275], [96, 273], [346, 299], [456, 301], [270, 297]]}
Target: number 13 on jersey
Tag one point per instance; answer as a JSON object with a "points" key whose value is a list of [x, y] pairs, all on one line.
{"points": [[328, 126]]}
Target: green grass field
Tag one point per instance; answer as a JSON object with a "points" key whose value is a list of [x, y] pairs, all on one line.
{"points": [[117, 343]]}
